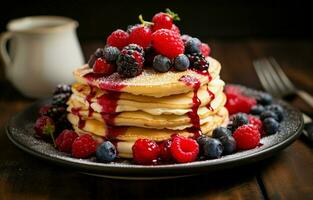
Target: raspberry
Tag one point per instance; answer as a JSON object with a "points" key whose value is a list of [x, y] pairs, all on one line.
{"points": [[168, 43], [175, 29], [198, 61], [233, 90], [162, 20], [257, 123], [83, 146], [184, 149], [205, 49], [129, 63], [247, 137], [237, 102], [140, 35], [118, 38], [101, 66], [145, 151], [44, 127], [165, 151], [65, 140]]}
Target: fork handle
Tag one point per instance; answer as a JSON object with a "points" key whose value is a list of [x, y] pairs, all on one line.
{"points": [[306, 97]]}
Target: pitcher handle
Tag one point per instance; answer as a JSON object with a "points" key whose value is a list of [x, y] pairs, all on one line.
{"points": [[4, 38]]}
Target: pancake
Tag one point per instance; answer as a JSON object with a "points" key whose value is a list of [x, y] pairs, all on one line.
{"points": [[150, 82], [126, 139], [175, 104], [143, 119], [99, 129]]}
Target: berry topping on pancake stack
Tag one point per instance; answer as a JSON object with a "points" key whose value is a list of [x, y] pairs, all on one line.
{"points": [[154, 96]]}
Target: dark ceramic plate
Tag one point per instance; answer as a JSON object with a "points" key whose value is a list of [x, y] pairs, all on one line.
{"points": [[20, 132]]}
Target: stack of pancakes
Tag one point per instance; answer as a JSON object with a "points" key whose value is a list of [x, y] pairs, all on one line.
{"points": [[149, 106]]}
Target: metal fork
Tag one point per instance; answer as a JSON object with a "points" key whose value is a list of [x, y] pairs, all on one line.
{"points": [[275, 81]]}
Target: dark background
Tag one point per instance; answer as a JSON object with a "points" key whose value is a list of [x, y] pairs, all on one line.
{"points": [[204, 19]]}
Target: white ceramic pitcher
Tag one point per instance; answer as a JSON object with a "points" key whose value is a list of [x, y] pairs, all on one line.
{"points": [[43, 52]]}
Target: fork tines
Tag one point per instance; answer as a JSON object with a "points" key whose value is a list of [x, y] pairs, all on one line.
{"points": [[272, 77]]}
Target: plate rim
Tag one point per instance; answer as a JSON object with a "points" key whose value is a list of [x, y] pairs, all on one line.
{"points": [[143, 170]]}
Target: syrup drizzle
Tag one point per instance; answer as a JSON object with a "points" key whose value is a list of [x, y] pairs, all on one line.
{"points": [[212, 97], [89, 98], [81, 122], [193, 114]]}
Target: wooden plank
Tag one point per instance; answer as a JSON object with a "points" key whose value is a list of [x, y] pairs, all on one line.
{"points": [[237, 183], [290, 175]]}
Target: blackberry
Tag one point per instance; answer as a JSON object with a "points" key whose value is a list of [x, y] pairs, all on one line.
{"points": [[111, 53], [62, 88], [55, 112], [62, 123], [198, 61], [135, 47], [60, 99], [129, 63]]}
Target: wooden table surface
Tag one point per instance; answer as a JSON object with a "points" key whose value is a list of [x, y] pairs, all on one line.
{"points": [[288, 175]]}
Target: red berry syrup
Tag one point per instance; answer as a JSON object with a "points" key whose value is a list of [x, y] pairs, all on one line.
{"points": [[212, 97], [81, 122], [193, 114], [113, 82], [89, 98]]}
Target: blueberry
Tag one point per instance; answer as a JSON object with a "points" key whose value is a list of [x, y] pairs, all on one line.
{"points": [[181, 62], [106, 152], [212, 148], [98, 53], [229, 144], [270, 125], [239, 119], [201, 140], [192, 46], [220, 132], [268, 114], [277, 109], [111, 53], [161, 63], [264, 99], [257, 109]]}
